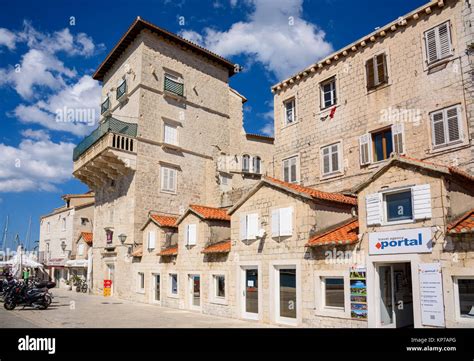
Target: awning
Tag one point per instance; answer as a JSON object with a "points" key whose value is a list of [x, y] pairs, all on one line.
{"points": [[77, 263]]}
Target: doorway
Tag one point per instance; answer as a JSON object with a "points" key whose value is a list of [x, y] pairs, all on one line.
{"points": [[195, 292], [250, 293], [110, 276], [395, 288], [285, 294], [157, 288]]}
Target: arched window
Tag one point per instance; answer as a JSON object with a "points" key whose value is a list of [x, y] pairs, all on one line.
{"points": [[245, 163], [257, 165]]}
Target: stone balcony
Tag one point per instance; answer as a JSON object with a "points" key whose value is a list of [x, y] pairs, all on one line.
{"points": [[107, 154]]}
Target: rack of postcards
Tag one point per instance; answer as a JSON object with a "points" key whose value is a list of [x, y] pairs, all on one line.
{"points": [[358, 285]]}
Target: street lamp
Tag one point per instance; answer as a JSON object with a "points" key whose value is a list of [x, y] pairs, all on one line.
{"points": [[122, 237]]}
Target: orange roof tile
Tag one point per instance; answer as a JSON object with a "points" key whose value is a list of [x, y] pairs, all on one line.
{"points": [[171, 251], [210, 213], [464, 224], [87, 237], [164, 221], [334, 197], [221, 247], [138, 252], [347, 233]]}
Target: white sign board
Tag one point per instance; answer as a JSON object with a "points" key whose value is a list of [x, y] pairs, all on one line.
{"points": [[415, 240], [431, 295]]}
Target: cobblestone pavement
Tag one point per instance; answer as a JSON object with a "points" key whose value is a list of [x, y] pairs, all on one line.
{"points": [[72, 309]]}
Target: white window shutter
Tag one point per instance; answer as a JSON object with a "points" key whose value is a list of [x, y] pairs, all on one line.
{"points": [[275, 223], [398, 138], [453, 124], [422, 201], [243, 228], [365, 149], [373, 204], [252, 226], [437, 127], [191, 233], [151, 240], [164, 178], [171, 179], [444, 40], [286, 221], [431, 45]]}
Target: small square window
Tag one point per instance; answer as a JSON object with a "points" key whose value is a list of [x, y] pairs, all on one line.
{"points": [[334, 292], [399, 206]]}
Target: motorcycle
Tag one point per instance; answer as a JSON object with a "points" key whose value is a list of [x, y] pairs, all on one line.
{"points": [[81, 286], [22, 294]]}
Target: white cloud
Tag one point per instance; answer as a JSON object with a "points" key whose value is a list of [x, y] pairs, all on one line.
{"points": [[73, 109], [7, 38], [35, 134], [275, 35], [36, 165]]}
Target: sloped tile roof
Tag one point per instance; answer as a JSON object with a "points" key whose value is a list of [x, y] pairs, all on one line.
{"points": [[347, 233], [221, 247], [171, 251], [210, 213], [138, 252], [463, 224], [165, 221], [314, 193]]}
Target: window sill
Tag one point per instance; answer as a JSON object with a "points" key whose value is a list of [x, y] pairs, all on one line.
{"points": [[438, 63], [217, 301], [171, 146], [173, 95], [141, 292], [328, 108], [168, 192], [336, 313], [440, 148], [331, 176], [395, 223], [378, 87], [173, 296], [289, 125]]}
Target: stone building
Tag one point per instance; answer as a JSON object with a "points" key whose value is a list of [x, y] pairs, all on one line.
{"points": [[171, 135], [60, 230], [406, 88]]}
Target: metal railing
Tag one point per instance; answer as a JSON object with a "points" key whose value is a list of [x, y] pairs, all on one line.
{"points": [[109, 125], [174, 86]]}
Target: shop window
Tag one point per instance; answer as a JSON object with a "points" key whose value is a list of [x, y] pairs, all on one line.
{"points": [[398, 206], [173, 283], [219, 286], [333, 295], [466, 297]]}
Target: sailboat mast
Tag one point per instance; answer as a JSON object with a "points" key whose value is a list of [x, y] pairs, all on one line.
{"points": [[4, 239]]}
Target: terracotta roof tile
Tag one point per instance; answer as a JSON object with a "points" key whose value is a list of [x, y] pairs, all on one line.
{"points": [[221, 247], [347, 233], [334, 197], [463, 224], [171, 251], [210, 213], [87, 237], [138, 252], [165, 221]]}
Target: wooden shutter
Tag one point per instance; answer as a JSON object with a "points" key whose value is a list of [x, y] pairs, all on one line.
{"points": [[151, 240], [444, 40], [252, 226], [382, 76], [373, 204], [452, 122], [286, 221], [171, 179], [421, 201], [191, 234], [437, 125], [286, 170], [275, 223], [398, 138], [164, 178], [431, 46], [370, 73], [293, 172], [243, 228], [365, 149]]}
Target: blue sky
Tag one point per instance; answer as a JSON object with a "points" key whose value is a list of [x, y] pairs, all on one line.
{"points": [[48, 54]]}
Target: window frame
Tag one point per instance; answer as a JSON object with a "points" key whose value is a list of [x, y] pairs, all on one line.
{"points": [[291, 99], [80, 249], [426, 56], [377, 83], [330, 80], [384, 131], [162, 175], [320, 294], [170, 287], [340, 158], [246, 161], [297, 169], [119, 85], [256, 164], [457, 300], [174, 78], [140, 281], [461, 128], [173, 126], [385, 221]]}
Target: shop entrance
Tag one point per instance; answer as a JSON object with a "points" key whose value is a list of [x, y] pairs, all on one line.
{"points": [[395, 299], [194, 292]]}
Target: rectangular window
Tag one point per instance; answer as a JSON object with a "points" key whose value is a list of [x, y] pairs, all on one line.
{"points": [[219, 286], [174, 84], [191, 234], [376, 69], [282, 222], [151, 240], [290, 109], [333, 292], [466, 297], [398, 206], [328, 93], [173, 283], [331, 159], [121, 88], [446, 126], [170, 135], [438, 43], [249, 226], [105, 106], [141, 281], [382, 145], [168, 179], [290, 170]]}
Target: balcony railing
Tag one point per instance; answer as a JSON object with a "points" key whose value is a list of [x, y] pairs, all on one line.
{"points": [[174, 87], [110, 125]]}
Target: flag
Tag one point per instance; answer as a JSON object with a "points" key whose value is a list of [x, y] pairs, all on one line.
{"points": [[333, 112]]}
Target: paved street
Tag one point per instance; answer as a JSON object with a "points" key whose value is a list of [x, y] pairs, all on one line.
{"points": [[72, 309]]}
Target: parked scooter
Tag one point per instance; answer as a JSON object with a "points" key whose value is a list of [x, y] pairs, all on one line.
{"points": [[22, 294]]}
